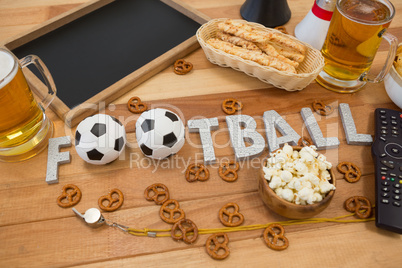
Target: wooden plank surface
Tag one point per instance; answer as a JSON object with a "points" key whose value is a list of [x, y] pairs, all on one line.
{"points": [[35, 232]]}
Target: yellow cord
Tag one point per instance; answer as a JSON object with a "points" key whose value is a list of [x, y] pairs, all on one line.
{"points": [[166, 232]]}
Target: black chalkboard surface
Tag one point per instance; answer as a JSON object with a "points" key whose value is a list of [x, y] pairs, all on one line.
{"points": [[91, 53]]}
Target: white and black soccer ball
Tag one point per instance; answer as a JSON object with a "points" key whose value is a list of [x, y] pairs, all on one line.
{"points": [[159, 133], [100, 139]]}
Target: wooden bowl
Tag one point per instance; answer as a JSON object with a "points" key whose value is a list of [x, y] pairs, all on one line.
{"points": [[286, 208]]}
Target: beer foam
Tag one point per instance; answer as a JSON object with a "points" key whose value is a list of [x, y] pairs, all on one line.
{"points": [[7, 70]]}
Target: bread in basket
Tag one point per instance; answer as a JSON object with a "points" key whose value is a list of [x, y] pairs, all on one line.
{"points": [[307, 70]]}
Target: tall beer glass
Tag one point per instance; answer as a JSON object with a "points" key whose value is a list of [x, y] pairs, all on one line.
{"points": [[24, 126], [354, 35]]}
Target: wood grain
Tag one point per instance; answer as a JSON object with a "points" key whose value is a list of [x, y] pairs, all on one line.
{"points": [[35, 232]]}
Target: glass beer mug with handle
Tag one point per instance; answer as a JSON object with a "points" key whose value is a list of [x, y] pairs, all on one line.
{"points": [[354, 35], [24, 127]]}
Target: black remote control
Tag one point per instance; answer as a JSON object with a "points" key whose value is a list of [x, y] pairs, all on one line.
{"points": [[387, 154]]}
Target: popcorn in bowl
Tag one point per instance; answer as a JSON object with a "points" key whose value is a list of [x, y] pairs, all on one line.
{"points": [[300, 177]]}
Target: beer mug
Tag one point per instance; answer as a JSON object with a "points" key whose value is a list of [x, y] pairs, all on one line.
{"points": [[24, 127], [354, 35]]}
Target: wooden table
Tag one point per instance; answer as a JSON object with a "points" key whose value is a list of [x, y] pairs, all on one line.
{"points": [[35, 232]]}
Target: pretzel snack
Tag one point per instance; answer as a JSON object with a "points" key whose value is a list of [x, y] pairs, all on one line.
{"points": [[225, 212], [135, 105], [360, 205], [352, 173], [230, 106], [113, 202], [227, 172], [158, 190], [214, 245], [197, 172], [322, 108], [187, 229], [70, 196], [273, 238], [305, 141], [182, 67], [175, 214]]}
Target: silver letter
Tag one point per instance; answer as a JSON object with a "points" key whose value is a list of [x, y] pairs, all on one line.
{"points": [[350, 128], [56, 158], [315, 131], [238, 136], [273, 121], [204, 127]]}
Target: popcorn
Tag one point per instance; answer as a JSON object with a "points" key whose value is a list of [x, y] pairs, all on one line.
{"points": [[301, 177]]}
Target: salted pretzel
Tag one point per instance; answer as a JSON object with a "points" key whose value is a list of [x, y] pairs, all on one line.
{"points": [[322, 108], [188, 231], [305, 141], [114, 200], [135, 105], [230, 106], [70, 196], [275, 240], [197, 172], [352, 173], [155, 191], [282, 29], [227, 172], [182, 67], [175, 214], [214, 245], [360, 205], [225, 212]]}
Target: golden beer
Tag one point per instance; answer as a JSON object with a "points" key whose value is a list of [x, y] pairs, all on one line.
{"points": [[24, 127], [354, 35], [20, 115]]}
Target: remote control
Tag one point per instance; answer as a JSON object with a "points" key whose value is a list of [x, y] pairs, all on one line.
{"points": [[387, 154]]}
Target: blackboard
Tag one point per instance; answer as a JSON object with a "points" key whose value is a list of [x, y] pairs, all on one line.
{"points": [[93, 52]]}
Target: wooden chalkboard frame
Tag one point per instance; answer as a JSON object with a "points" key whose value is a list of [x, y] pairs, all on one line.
{"points": [[72, 116]]}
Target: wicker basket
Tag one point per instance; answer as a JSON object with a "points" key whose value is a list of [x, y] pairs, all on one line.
{"points": [[306, 72]]}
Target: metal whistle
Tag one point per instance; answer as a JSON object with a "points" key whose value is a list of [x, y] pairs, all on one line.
{"points": [[92, 217]]}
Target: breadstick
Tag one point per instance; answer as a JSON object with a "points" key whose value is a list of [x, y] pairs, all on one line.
{"points": [[238, 41], [271, 51], [244, 31], [288, 53], [255, 56]]}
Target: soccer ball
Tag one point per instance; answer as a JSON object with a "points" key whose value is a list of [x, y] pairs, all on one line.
{"points": [[159, 133], [100, 139]]}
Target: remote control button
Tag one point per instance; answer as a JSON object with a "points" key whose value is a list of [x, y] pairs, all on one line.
{"points": [[392, 174], [385, 201], [383, 112], [385, 183], [384, 168], [393, 150], [385, 189], [397, 185], [383, 173], [393, 117], [389, 164], [394, 128], [392, 179], [384, 128], [383, 139], [397, 192], [395, 132], [384, 132], [397, 204], [383, 155], [394, 123], [386, 195], [397, 197]]}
